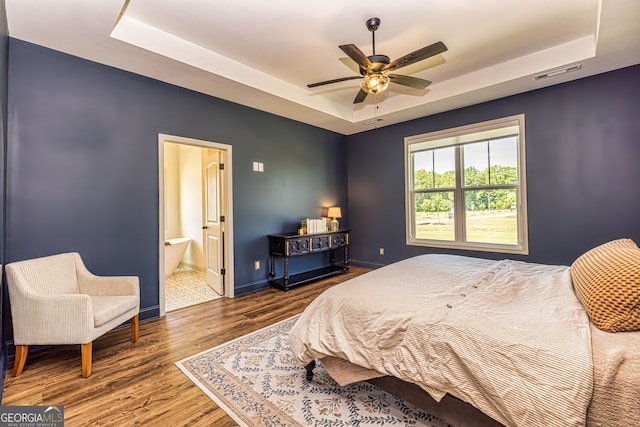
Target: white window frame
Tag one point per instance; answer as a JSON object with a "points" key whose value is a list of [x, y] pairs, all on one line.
{"points": [[457, 137]]}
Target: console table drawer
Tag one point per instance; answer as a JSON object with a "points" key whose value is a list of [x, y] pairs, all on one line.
{"points": [[320, 243], [338, 240], [297, 247]]}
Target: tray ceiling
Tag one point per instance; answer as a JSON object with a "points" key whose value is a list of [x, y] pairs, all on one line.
{"points": [[263, 54]]}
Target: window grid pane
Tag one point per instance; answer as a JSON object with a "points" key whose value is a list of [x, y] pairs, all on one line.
{"points": [[491, 216], [493, 162], [423, 170], [476, 164], [433, 213], [434, 169], [503, 161]]}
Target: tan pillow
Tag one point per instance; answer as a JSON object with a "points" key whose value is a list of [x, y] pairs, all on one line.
{"points": [[607, 281]]}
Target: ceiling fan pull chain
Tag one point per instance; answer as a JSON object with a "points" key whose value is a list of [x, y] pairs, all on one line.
{"points": [[375, 113]]}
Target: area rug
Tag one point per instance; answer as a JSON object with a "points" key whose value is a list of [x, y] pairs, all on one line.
{"points": [[256, 381]]}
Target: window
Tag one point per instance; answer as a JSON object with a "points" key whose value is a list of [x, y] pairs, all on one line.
{"points": [[465, 187]]}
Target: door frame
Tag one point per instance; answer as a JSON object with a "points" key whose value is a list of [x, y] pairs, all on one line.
{"points": [[228, 209]]}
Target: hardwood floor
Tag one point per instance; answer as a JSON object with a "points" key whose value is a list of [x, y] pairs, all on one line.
{"points": [[139, 384]]}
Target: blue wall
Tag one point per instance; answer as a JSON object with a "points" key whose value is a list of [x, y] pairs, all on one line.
{"points": [[4, 55], [82, 168], [583, 170]]}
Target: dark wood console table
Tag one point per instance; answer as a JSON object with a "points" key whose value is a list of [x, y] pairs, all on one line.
{"points": [[293, 245]]}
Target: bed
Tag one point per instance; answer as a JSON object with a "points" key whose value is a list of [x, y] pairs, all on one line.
{"points": [[480, 342]]}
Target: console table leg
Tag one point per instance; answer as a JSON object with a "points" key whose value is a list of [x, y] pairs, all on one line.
{"points": [[272, 272], [285, 278], [346, 258]]}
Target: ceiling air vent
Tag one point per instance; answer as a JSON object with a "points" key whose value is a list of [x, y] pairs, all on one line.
{"points": [[370, 122], [559, 72]]}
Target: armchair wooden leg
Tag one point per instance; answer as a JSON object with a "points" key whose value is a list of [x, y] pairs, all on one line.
{"points": [[21, 357], [134, 329], [86, 359]]}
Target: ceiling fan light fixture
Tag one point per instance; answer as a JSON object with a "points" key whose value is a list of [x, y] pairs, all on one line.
{"points": [[375, 83]]}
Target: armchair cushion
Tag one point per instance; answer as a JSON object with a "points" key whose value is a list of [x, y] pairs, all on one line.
{"points": [[106, 309]]}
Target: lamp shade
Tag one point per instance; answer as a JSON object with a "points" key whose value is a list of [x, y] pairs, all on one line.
{"points": [[334, 212]]}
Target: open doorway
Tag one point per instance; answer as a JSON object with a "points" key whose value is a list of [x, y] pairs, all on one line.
{"points": [[195, 221]]}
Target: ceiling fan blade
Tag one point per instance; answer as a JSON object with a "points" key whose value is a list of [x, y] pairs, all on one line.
{"points": [[413, 82], [342, 79], [360, 97], [418, 55], [357, 55]]}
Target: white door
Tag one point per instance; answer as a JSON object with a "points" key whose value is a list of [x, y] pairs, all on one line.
{"points": [[214, 219]]}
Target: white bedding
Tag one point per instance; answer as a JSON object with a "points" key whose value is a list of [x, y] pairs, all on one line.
{"points": [[508, 337]]}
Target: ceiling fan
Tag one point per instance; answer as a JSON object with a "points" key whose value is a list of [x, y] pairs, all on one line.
{"points": [[374, 68]]}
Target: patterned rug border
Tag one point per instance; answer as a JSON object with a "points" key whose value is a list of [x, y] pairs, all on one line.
{"points": [[218, 400]]}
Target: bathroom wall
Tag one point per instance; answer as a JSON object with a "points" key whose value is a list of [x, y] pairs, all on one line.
{"points": [[183, 199], [190, 200], [171, 191]]}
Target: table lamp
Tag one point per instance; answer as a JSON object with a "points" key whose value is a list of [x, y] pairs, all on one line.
{"points": [[334, 212]]}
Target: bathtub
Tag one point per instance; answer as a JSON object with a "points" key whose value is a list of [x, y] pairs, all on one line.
{"points": [[173, 252]]}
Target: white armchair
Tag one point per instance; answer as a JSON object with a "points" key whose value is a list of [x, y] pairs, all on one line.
{"points": [[56, 300]]}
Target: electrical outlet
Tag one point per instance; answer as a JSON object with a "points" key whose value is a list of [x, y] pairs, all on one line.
{"points": [[381, 251], [257, 265]]}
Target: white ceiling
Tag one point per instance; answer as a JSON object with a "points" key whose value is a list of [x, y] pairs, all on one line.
{"points": [[263, 53]]}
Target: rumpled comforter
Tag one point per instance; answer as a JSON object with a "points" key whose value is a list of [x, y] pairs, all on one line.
{"points": [[507, 337]]}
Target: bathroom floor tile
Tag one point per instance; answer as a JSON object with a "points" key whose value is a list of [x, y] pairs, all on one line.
{"points": [[186, 287]]}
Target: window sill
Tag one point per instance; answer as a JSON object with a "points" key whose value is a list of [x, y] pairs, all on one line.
{"points": [[469, 246]]}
